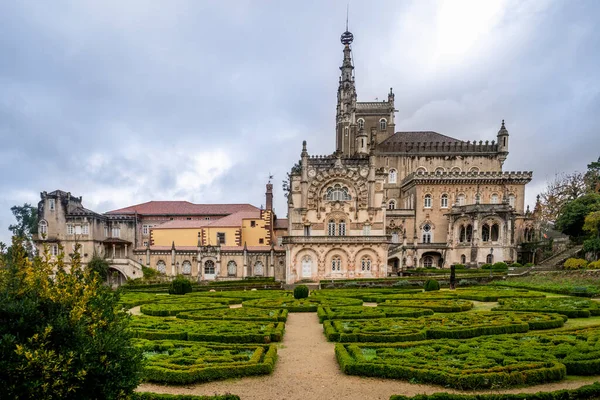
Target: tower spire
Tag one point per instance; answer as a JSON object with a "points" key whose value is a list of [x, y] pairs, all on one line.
{"points": [[346, 104]]}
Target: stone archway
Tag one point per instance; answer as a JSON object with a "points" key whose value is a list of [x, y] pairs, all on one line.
{"points": [[115, 277]]}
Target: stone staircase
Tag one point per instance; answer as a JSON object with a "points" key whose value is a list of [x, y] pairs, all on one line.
{"points": [[556, 261]]}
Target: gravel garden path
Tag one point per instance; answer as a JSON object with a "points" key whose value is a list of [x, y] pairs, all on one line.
{"points": [[306, 369]]}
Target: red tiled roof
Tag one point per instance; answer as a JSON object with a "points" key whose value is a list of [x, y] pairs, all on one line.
{"points": [[183, 208], [281, 223], [234, 220]]}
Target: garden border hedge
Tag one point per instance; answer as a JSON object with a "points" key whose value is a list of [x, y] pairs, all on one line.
{"points": [[326, 313]]}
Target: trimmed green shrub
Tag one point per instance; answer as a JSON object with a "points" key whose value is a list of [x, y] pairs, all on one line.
{"points": [[459, 266], [484, 362], [454, 326], [360, 312], [486, 266], [300, 292], [180, 285], [363, 294], [177, 362], [575, 263], [529, 265], [569, 306], [302, 305], [489, 294], [437, 305], [238, 314], [431, 285], [500, 266], [164, 309], [516, 265], [594, 265]]}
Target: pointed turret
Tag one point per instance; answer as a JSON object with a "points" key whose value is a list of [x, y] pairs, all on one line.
{"points": [[502, 143], [346, 104]]}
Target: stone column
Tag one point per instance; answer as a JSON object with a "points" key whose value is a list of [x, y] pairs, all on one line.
{"points": [[114, 250], [126, 254]]}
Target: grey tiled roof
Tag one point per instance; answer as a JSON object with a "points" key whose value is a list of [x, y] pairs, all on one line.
{"points": [[418, 136]]}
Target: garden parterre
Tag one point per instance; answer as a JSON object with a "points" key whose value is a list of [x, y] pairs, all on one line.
{"points": [[360, 312], [166, 309], [441, 306], [572, 307], [302, 305], [156, 328], [484, 362], [575, 283], [456, 326], [239, 314], [180, 362]]}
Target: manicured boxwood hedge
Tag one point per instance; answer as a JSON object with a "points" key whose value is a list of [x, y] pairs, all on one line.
{"points": [[478, 363], [302, 305], [245, 294], [360, 312], [133, 299], [455, 326], [588, 392], [156, 328], [570, 306], [488, 294], [441, 306], [239, 314], [158, 396], [435, 295], [166, 309], [363, 294], [177, 362]]}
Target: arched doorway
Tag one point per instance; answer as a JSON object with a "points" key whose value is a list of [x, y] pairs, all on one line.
{"points": [[431, 259], [115, 278]]}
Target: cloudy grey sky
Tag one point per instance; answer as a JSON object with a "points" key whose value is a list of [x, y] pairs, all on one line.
{"points": [[128, 101]]}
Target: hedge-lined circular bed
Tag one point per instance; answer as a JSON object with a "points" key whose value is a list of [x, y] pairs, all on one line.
{"points": [[360, 312], [572, 307], [302, 305], [441, 306], [239, 314]]}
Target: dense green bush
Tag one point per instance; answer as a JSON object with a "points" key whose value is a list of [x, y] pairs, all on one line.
{"points": [[569, 306], [486, 266], [575, 263], [226, 331], [588, 392], [300, 292], [166, 309], [180, 285], [459, 266], [437, 305], [500, 266], [360, 312], [516, 265], [484, 362], [367, 294], [431, 285], [454, 326], [302, 305], [62, 335], [177, 362], [529, 265], [238, 314]]}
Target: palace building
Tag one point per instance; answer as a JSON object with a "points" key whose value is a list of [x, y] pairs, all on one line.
{"points": [[382, 202], [386, 201]]}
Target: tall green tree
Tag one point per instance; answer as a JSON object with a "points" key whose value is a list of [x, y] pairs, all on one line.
{"points": [[592, 176], [26, 226], [572, 216], [62, 334]]}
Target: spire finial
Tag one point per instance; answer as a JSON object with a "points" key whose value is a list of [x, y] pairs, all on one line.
{"points": [[347, 9], [503, 127], [347, 37]]}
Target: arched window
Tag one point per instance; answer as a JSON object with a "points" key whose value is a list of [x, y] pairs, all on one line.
{"points": [[342, 228], [306, 266], [258, 269], [444, 201], [209, 267], [495, 232], [331, 228], [489, 259], [161, 267], [231, 268], [382, 124], [460, 199], [338, 193], [455, 170], [494, 198], [186, 267], [392, 205], [428, 262], [440, 170], [462, 237], [392, 176], [361, 123], [528, 235], [511, 200], [469, 233], [463, 259], [43, 228], [421, 170], [426, 233], [395, 237], [365, 264], [427, 203], [485, 233], [474, 170], [336, 264]]}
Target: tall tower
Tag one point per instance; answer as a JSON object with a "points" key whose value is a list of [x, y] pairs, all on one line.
{"points": [[346, 100]]}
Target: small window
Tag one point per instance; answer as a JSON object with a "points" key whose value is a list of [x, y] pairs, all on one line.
{"points": [[145, 243], [209, 267], [494, 199], [440, 170], [365, 264], [186, 268], [258, 269], [116, 232], [161, 267], [382, 124], [189, 218], [145, 229], [427, 233], [444, 201], [342, 228], [171, 219], [511, 200], [460, 200], [306, 230], [395, 237], [43, 228], [54, 250], [338, 193], [252, 224], [474, 170], [463, 259], [336, 264], [489, 259], [427, 203], [231, 268], [207, 218], [51, 204], [70, 229], [392, 176], [331, 228], [367, 230], [495, 232], [261, 241], [421, 170], [361, 123], [392, 205], [455, 170], [221, 238], [485, 233], [85, 229]]}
